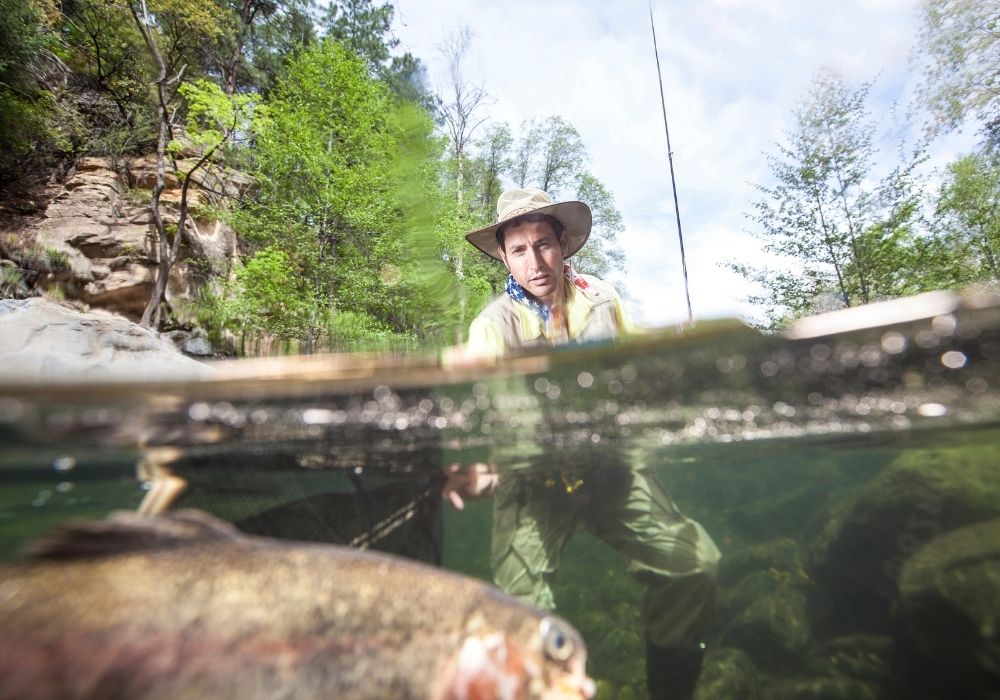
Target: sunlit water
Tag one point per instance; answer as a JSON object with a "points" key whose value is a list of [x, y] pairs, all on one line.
{"points": [[821, 466]]}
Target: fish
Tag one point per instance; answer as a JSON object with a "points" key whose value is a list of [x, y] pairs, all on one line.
{"points": [[183, 605]]}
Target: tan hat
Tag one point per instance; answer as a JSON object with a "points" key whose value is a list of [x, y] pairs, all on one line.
{"points": [[575, 216]]}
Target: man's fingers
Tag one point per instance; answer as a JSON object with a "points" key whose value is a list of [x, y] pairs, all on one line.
{"points": [[456, 500]]}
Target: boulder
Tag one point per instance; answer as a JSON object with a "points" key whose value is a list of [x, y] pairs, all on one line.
{"points": [[104, 233], [43, 341], [920, 495], [948, 614], [822, 688], [780, 556], [867, 661], [766, 616], [728, 674]]}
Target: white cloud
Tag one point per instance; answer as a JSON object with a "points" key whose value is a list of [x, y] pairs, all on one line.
{"points": [[732, 72]]}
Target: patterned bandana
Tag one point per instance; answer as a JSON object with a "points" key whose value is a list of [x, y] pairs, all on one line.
{"points": [[517, 293]]}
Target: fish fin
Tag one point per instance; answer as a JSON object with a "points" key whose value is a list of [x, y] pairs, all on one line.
{"points": [[127, 531]]}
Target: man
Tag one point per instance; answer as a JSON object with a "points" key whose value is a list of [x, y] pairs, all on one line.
{"points": [[547, 303]]}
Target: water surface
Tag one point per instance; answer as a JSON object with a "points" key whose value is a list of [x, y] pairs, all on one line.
{"points": [[830, 466]]}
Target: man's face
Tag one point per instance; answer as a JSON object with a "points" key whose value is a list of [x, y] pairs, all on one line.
{"points": [[534, 256]]}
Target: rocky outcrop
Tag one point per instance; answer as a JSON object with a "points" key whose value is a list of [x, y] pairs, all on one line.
{"points": [[728, 674], [100, 224], [860, 554], [948, 613], [43, 342]]}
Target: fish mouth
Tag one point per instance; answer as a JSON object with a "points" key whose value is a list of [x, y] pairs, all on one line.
{"points": [[571, 687]]}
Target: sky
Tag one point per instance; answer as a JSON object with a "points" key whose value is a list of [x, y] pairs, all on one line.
{"points": [[732, 73]]}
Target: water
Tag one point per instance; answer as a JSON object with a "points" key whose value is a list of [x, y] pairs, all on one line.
{"points": [[847, 474]]}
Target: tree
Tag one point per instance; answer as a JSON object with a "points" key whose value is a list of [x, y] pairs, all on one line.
{"points": [[361, 27], [169, 35], [458, 111], [968, 211], [561, 155], [602, 255], [961, 40], [25, 103], [488, 169], [523, 164], [254, 30], [839, 234], [107, 52], [365, 29], [336, 160]]}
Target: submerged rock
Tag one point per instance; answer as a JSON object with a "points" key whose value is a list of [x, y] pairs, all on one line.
{"points": [[766, 616], [822, 688], [728, 674], [861, 552], [44, 341], [865, 658], [781, 555], [948, 613]]}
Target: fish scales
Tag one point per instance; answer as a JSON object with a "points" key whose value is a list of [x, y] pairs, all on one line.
{"points": [[220, 614]]}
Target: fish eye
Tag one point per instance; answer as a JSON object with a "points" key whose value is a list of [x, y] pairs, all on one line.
{"points": [[556, 640]]}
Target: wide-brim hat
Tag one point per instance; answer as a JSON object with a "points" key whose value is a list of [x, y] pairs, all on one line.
{"points": [[574, 216]]}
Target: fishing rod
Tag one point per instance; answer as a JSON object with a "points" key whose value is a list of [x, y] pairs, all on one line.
{"points": [[670, 159]]}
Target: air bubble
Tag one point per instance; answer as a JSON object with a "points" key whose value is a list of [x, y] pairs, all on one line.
{"points": [[64, 464]]}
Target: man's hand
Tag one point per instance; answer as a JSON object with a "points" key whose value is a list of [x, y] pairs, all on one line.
{"points": [[467, 482]]}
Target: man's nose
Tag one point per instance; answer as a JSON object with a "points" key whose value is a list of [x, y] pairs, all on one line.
{"points": [[533, 258]]}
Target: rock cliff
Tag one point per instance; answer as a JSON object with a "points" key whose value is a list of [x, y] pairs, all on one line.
{"points": [[92, 237]]}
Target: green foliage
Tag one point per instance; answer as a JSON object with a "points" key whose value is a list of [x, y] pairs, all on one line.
{"points": [[107, 54], [11, 282], [213, 117], [340, 169], [364, 28], [968, 210], [961, 40], [256, 38], [271, 296], [561, 155], [25, 103], [488, 168], [602, 255], [57, 259]]}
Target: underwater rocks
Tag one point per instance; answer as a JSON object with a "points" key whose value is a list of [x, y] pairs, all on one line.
{"points": [[762, 608], [728, 674], [948, 613], [923, 493], [772, 623], [853, 667], [783, 555], [44, 341], [766, 625]]}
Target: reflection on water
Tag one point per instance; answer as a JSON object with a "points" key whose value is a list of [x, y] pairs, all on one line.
{"points": [[849, 480]]}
